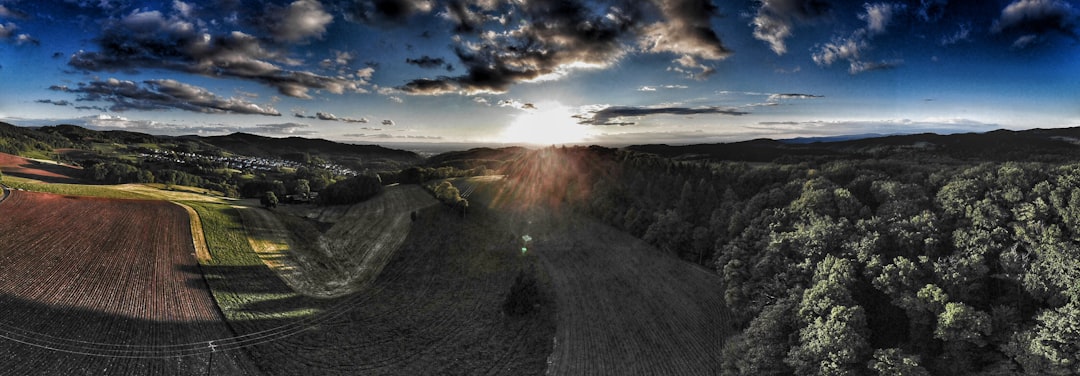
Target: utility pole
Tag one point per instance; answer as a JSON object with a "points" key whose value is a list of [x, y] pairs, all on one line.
{"points": [[210, 365]]}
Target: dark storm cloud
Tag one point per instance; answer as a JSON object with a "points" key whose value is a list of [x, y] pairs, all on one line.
{"points": [[54, 102], [1032, 19], [687, 31], [552, 38], [776, 19], [149, 40], [465, 19], [388, 12], [613, 115], [426, 62], [163, 95]]}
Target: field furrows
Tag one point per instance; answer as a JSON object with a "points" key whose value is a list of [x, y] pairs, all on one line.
{"points": [[103, 286], [435, 309], [624, 307]]}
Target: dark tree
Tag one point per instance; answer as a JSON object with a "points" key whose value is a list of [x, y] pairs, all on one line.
{"points": [[269, 200], [524, 296]]}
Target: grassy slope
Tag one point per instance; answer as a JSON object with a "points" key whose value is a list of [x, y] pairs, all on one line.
{"points": [[624, 307], [434, 309], [356, 243], [104, 191]]}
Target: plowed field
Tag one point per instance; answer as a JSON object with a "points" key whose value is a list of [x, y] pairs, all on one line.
{"points": [[100, 286], [47, 172]]}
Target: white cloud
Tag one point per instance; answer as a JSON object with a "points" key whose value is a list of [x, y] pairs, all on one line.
{"points": [[878, 16]]}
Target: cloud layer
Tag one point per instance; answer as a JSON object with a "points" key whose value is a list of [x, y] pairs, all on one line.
{"points": [[554, 38], [164, 94], [618, 115], [150, 40]]}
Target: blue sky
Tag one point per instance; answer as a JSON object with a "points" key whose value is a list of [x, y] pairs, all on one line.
{"points": [[546, 72]]}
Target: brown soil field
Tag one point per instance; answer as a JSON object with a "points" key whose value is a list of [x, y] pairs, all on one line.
{"points": [[105, 286], [46, 172]]}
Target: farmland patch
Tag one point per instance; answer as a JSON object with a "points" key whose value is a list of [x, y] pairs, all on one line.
{"points": [[39, 170], [92, 286]]}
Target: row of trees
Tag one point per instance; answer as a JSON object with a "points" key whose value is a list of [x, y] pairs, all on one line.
{"points": [[449, 195], [351, 190], [867, 266]]}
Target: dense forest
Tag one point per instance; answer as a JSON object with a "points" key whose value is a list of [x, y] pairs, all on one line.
{"points": [[911, 263]]}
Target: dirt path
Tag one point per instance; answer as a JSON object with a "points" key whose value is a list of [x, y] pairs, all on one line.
{"points": [[198, 237]]}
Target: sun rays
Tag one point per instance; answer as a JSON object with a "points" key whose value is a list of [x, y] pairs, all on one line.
{"points": [[546, 123]]}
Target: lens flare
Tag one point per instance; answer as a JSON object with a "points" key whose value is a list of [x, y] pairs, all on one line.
{"points": [[549, 123]]}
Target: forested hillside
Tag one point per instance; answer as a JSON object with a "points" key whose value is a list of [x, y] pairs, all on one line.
{"points": [[854, 264]]}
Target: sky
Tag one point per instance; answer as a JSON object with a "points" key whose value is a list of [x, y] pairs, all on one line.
{"points": [[612, 72]]}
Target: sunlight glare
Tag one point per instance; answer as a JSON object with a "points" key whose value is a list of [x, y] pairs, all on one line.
{"points": [[550, 123]]}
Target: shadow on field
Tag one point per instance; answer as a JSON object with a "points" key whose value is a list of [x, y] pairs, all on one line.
{"points": [[254, 278], [41, 339], [436, 308], [47, 173]]}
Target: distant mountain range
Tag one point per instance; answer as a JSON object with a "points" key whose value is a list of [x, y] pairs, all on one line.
{"points": [[999, 145], [17, 140]]}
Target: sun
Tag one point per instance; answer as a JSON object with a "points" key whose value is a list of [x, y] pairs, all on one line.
{"points": [[549, 123]]}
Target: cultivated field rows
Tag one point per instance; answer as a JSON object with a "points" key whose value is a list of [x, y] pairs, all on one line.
{"points": [[93, 286], [14, 165]]}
